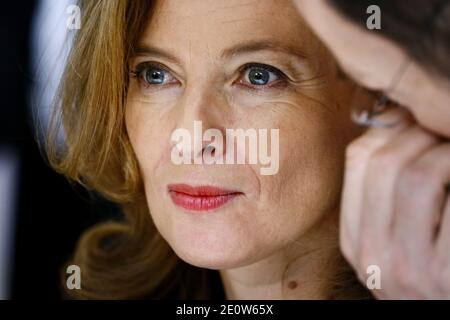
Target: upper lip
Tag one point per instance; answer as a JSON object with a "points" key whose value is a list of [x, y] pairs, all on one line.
{"points": [[202, 190]]}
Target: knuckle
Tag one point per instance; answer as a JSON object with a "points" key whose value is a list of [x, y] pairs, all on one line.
{"points": [[418, 177], [413, 177], [383, 159], [358, 150]]}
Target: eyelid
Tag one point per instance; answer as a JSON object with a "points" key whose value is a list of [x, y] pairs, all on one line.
{"points": [[140, 67], [269, 68], [282, 80]]}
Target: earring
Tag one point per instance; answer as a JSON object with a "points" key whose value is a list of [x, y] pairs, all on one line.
{"points": [[367, 118], [209, 148]]}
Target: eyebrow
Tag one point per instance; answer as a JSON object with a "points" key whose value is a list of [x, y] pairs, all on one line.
{"points": [[144, 50], [254, 46], [239, 49]]}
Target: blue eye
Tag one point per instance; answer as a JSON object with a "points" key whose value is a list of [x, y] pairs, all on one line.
{"points": [[152, 74], [260, 75]]}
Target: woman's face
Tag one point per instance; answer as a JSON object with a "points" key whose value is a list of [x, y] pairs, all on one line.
{"points": [[248, 65], [374, 62]]}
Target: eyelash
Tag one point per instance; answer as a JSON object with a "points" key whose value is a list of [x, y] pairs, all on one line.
{"points": [[281, 76], [281, 80], [138, 73]]}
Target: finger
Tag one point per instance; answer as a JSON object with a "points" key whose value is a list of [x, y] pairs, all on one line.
{"points": [[383, 169], [443, 236], [437, 179], [420, 199], [357, 158]]}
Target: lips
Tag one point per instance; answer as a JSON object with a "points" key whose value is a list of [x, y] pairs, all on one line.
{"points": [[200, 198]]}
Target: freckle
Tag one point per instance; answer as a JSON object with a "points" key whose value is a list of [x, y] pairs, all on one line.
{"points": [[292, 285]]}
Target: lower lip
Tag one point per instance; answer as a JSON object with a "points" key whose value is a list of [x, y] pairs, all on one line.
{"points": [[200, 203]]}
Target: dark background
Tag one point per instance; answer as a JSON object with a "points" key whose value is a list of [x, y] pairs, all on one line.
{"points": [[50, 213]]}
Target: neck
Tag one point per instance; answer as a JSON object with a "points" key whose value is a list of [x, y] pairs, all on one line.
{"points": [[301, 270]]}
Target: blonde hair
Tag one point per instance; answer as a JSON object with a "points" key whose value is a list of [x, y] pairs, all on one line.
{"points": [[128, 259]]}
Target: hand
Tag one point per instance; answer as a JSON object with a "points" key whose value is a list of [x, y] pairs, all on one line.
{"points": [[395, 209]]}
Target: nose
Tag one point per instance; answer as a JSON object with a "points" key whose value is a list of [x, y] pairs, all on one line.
{"points": [[203, 109]]}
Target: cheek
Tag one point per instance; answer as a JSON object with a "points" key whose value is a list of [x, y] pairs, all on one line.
{"points": [[311, 161], [314, 160], [146, 137]]}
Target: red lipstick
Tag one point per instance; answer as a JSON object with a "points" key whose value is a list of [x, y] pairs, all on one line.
{"points": [[201, 198]]}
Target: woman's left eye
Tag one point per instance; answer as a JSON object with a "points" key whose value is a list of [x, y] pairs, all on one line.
{"points": [[260, 75]]}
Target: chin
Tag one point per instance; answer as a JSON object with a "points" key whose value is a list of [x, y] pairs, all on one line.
{"points": [[213, 255], [221, 262]]}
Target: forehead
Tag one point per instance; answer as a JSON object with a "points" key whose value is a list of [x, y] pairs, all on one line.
{"points": [[196, 26]]}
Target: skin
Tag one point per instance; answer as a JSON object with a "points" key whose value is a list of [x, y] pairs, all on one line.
{"points": [[284, 226], [395, 210]]}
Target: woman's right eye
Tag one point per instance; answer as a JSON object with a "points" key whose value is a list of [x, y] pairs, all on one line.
{"points": [[153, 75]]}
